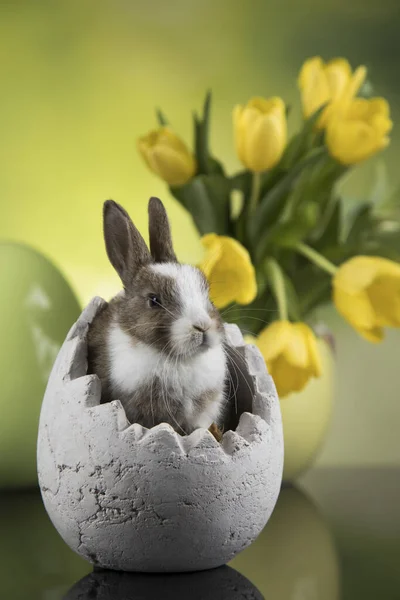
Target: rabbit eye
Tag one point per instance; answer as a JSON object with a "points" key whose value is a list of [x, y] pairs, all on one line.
{"points": [[154, 301]]}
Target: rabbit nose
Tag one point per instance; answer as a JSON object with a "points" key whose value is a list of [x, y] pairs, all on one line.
{"points": [[201, 328]]}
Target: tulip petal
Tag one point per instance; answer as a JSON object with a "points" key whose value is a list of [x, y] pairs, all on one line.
{"points": [[266, 142], [287, 378], [310, 70], [374, 335], [367, 294], [167, 156], [273, 339], [289, 352], [354, 84], [228, 268], [314, 358], [359, 272], [260, 132], [351, 142], [296, 350], [338, 73], [244, 132], [358, 129], [262, 105], [355, 308], [314, 86], [168, 138], [211, 242], [176, 169], [268, 106], [384, 295]]}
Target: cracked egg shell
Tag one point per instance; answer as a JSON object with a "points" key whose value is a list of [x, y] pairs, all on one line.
{"points": [[134, 499]]}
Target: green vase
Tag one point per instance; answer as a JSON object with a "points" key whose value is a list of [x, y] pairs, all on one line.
{"points": [[306, 417]]}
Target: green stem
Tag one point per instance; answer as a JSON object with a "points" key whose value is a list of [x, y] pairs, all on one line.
{"points": [[275, 275], [255, 191], [317, 258]]}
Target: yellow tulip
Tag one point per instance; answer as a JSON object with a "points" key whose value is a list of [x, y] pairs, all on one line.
{"points": [[366, 292], [228, 268], [360, 131], [260, 130], [331, 83], [167, 156], [291, 354]]}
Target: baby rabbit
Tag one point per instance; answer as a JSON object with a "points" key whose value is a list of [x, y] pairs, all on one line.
{"points": [[158, 346]]}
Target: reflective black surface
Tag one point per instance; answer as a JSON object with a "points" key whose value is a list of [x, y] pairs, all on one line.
{"points": [[336, 536], [223, 583]]}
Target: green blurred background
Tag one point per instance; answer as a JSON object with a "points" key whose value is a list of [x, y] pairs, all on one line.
{"points": [[80, 81]]}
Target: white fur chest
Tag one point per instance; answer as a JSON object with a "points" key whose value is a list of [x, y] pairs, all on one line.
{"points": [[133, 365]]}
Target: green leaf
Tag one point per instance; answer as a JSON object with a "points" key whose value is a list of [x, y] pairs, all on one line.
{"points": [[207, 198], [270, 178], [302, 142], [207, 165], [161, 118], [328, 230], [292, 299], [215, 167], [382, 238], [380, 188], [359, 220], [273, 204], [290, 233], [366, 90], [392, 202], [319, 292], [242, 181], [200, 148]]}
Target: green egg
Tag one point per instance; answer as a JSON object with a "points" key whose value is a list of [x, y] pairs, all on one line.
{"points": [[37, 308]]}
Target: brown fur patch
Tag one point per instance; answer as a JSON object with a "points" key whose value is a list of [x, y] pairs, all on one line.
{"points": [[216, 431], [160, 233], [151, 325]]}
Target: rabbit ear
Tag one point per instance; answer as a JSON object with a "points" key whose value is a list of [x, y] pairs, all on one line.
{"points": [[160, 233], [125, 246]]}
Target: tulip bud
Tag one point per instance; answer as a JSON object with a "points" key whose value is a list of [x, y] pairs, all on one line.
{"points": [[260, 132], [360, 131], [331, 83], [167, 156]]}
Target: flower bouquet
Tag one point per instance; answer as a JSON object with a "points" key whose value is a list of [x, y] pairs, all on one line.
{"points": [[279, 236]]}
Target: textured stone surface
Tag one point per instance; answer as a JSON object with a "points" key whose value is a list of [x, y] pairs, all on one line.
{"points": [[218, 584], [135, 499]]}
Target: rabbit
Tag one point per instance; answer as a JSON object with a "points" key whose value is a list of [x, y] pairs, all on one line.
{"points": [[159, 345]]}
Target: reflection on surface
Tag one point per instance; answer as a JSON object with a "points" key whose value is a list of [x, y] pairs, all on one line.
{"points": [[294, 558], [34, 561], [363, 508], [222, 584]]}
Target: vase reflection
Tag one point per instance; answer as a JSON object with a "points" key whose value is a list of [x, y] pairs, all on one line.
{"points": [[294, 558], [223, 583], [306, 416], [34, 560]]}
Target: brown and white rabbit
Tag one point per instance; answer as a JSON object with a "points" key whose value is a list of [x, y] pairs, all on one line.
{"points": [[158, 346]]}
